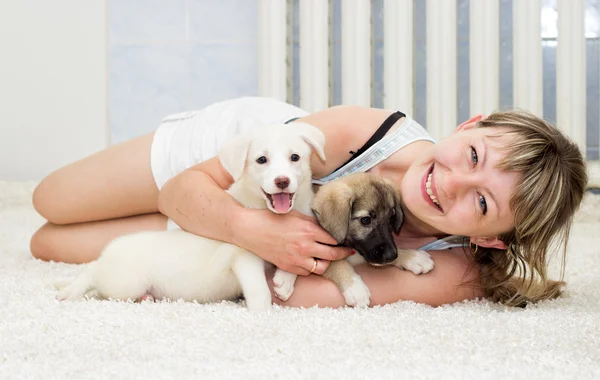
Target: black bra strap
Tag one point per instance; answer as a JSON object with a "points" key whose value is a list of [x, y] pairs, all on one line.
{"points": [[378, 135], [292, 120]]}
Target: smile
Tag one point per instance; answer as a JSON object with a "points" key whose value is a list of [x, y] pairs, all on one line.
{"points": [[429, 190]]}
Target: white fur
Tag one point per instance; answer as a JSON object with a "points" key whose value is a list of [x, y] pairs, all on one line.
{"points": [[357, 294], [180, 265]]}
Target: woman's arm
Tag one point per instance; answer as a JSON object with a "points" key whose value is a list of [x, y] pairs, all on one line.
{"points": [[389, 284], [197, 202], [195, 199]]}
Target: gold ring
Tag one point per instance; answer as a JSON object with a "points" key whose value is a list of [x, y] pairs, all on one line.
{"points": [[314, 266]]}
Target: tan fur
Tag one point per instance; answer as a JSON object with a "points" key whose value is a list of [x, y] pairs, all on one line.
{"points": [[339, 206], [341, 272], [335, 201]]}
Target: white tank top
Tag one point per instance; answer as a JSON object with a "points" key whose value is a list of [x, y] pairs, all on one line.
{"points": [[409, 132]]}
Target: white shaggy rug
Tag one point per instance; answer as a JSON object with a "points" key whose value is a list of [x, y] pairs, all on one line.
{"points": [[43, 339]]}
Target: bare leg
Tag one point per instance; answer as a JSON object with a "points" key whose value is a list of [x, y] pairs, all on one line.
{"points": [[83, 242], [112, 183]]}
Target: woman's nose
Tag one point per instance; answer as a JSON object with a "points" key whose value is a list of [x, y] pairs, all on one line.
{"points": [[456, 183]]}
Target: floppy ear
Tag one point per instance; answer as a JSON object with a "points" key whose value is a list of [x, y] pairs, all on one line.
{"points": [[313, 137], [332, 206], [233, 155], [398, 217]]}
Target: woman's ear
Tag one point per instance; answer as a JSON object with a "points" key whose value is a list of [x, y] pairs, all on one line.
{"points": [[469, 123], [488, 242]]}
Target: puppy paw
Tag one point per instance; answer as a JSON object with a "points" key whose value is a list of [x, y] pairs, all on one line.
{"points": [[60, 285], [283, 284], [67, 293], [418, 262], [357, 294], [259, 305]]}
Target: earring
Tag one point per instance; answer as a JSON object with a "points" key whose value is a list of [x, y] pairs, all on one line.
{"points": [[476, 247]]}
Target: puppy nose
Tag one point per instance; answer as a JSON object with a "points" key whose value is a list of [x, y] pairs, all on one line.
{"points": [[378, 251], [384, 254], [390, 255], [282, 182]]}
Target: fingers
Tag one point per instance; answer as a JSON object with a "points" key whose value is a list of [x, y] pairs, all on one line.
{"points": [[316, 232], [325, 252], [310, 265], [296, 269], [321, 266], [322, 236]]}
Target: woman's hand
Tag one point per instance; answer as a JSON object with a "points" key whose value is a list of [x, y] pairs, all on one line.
{"points": [[291, 242]]}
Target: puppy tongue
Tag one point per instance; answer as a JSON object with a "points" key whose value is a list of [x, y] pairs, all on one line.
{"points": [[281, 202]]}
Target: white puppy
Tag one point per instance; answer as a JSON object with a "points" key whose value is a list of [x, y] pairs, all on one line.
{"points": [[271, 169]]}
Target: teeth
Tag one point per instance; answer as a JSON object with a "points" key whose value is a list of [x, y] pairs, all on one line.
{"points": [[429, 191]]}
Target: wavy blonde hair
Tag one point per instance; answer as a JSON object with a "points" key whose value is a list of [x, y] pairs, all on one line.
{"points": [[553, 178]]}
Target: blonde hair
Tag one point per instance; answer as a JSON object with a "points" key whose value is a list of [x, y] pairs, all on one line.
{"points": [[552, 183]]}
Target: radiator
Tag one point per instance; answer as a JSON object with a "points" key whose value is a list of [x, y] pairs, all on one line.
{"points": [[314, 72]]}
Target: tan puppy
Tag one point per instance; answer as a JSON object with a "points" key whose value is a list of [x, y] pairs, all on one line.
{"points": [[362, 211]]}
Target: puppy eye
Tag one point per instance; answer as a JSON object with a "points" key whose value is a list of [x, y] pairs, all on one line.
{"points": [[365, 220], [294, 157], [261, 160]]}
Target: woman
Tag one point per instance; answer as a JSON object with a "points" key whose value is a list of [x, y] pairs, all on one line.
{"points": [[509, 183]]}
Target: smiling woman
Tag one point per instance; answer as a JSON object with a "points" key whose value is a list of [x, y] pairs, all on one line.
{"points": [[488, 182], [462, 183]]}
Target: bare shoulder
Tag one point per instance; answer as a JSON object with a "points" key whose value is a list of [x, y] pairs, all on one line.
{"points": [[211, 168], [346, 129]]}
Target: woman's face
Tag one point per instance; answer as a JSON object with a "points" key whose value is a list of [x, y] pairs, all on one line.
{"points": [[456, 188]]}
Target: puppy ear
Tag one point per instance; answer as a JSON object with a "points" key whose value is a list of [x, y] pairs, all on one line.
{"points": [[398, 217], [313, 137], [332, 207], [233, 155]]}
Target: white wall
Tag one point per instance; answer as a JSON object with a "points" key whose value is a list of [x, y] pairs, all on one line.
{"points": [[53, 84]]}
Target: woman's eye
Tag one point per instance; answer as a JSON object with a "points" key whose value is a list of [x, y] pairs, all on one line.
{"points": [[261, 160], [474, 155], [482, 204], [294, 157], [365, 220]]}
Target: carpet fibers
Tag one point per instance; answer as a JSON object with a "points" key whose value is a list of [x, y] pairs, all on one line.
{"points": [[43, 339]]}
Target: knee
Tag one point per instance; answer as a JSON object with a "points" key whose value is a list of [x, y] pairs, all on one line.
{"points": [[42, 244], [45, 198]]}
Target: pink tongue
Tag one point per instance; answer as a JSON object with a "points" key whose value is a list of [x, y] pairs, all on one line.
{"points": [[281, 202]]}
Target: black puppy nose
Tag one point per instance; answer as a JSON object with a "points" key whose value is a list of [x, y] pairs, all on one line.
{"points": [[384, 254], [282, 182], [390, 255], [378, 251]]}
